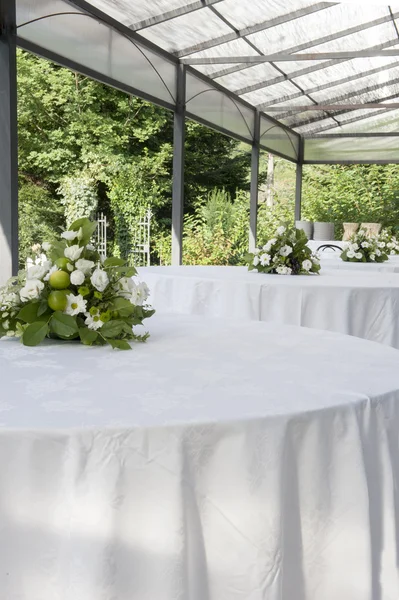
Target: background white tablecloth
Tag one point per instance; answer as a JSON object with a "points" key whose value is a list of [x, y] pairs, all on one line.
{"points": [[364, 305], [389, 266], [216, 462]]}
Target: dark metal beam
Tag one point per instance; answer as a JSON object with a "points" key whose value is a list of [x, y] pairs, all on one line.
{"points": [[298, 182], [8, 143], [331, 107], [178, 168], [223, 39], [172, 14], [253, 207], [283, 57], [335, 83], [312, 43]]}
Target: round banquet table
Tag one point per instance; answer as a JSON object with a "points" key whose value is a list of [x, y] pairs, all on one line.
{"points": [[347, 302], [389, 266], [218, 461]]}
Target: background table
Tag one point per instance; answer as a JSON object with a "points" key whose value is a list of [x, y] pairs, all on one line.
{"points": [[218, 461], [365, 305], [389, 266]]}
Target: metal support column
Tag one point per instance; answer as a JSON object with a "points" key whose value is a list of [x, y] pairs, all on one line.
{"points": [[8, 143], [298, 183], [253, 207], [178, 168]]}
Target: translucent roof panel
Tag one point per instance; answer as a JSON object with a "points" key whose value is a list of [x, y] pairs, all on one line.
{"points": [[352, 149], [277, 139], [84, 40], [140, 43], [215, 108]]}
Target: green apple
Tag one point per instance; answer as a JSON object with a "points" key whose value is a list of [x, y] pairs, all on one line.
{"points": [[62, 263], [57, 300], [59, 280]]}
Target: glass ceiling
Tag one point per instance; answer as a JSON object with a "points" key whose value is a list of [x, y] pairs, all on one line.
{"points": [[241, 56]]}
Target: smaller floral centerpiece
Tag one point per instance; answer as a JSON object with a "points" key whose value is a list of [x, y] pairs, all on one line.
{"points": [[362, 248], [392, 244], [73, 294], [286, 253]]}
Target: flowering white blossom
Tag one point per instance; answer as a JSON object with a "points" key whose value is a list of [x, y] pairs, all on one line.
{"points": [[84, 265], [75, 305], [307, 264], [256, 260], [256, 251], [77, 277], [355, 246], [38, 271], [125, 286], [378, 252], [283, 270], [93, 322], [285, 250], [359, 255], [280, 230], [69, 235], [36, 248], [52, 270], [31, 290], [73, 252], [265, 259], [372, 257], [46, 246], [140, 293], [350, 253], [99, 280], [381, 244], [90, 247], [365, 245]]}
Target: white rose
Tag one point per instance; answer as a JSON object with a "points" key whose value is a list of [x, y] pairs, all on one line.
{"points": [[285, 250], [378, 252], [84, 265], [381, 244], [31, 290], [46, 246], [256, 260], [73, 252], [125, 286], [77, 277], [75, 305], [372, 257], [365, 245], [99, 279], [350, 254], [359, 255], [280, 230], [307, 265], [355, 246], [140, 293], [69, 235], [38, 271], [392, 252]]}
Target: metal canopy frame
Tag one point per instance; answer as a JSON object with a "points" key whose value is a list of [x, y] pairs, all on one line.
{"points": [[228, 99]]}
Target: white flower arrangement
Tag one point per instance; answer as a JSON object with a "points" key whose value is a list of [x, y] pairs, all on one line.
{"points": [[72, 295], [392, 244], [363, 248], [286, 253]]}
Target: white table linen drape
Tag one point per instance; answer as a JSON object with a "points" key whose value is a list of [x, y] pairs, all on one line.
{"points": [[354, 303], [218, 461]]}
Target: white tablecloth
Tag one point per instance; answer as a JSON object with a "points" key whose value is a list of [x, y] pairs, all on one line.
{"points": [[389, 266], [216, 462], [357, 304]]}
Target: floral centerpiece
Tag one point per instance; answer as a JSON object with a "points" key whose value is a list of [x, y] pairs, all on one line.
{"points": [[392, 244], [362, 248], [286, 253], [73, 294]]}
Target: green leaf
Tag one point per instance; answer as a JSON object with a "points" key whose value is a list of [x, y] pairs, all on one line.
{"points": [[76, 225], [126, 271], [120, 344], [29, 313], [112, 328], [63, 325], [57, 250], [35, 333], [113, 261], [87, 336], [123, 306], [43, 307]]}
